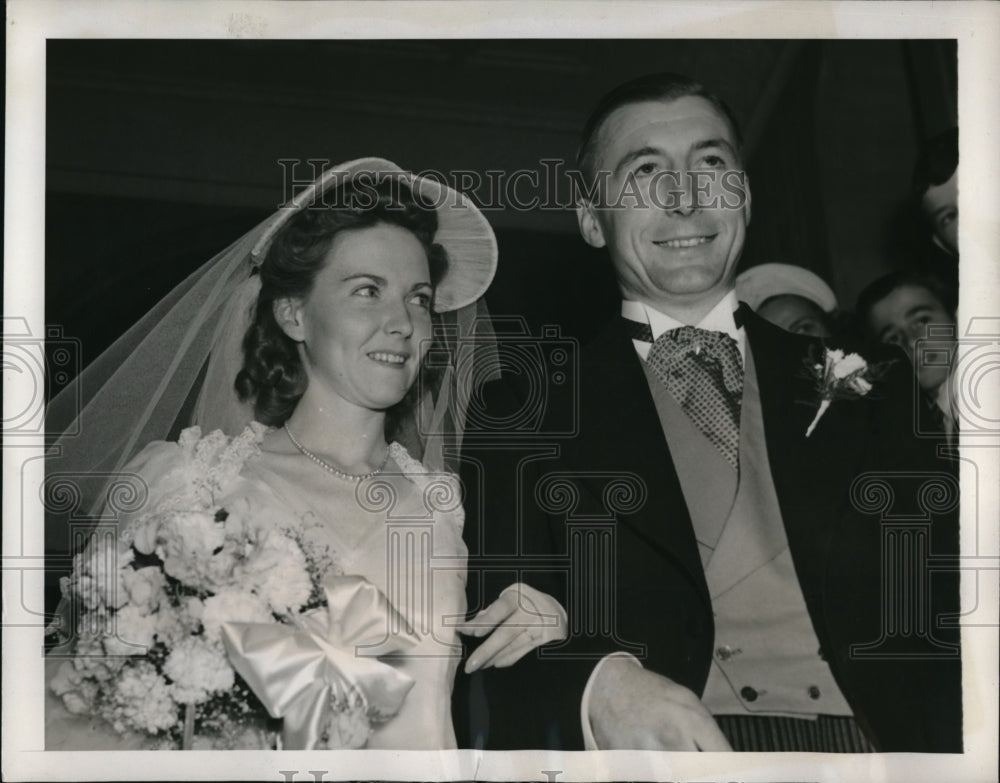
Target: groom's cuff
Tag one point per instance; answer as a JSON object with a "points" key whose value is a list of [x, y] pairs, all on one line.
{"points": [[589, 743]]}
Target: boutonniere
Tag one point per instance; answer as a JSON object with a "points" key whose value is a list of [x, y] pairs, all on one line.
{"points": [[839, 376]]}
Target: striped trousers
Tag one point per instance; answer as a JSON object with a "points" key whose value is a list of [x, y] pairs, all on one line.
{"points": [[826, 734]]}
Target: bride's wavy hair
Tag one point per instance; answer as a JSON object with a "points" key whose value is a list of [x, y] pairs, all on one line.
{"points": [[273, 375]]}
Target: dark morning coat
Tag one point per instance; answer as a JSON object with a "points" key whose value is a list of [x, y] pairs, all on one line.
{"points": [[532, 498]]}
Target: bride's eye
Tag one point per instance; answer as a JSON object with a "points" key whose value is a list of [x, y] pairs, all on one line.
{"points": [[422, 299], [368, 291]]}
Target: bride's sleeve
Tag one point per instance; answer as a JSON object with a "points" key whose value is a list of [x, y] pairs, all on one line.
{"points": [[162, 469]]}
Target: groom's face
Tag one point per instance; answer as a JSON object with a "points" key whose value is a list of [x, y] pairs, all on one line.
{"points": [[673, 204]]}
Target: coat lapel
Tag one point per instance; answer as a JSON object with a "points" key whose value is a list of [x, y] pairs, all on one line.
{"points": [[811, 475], [753, 536], [623, 435], [787, 393]]}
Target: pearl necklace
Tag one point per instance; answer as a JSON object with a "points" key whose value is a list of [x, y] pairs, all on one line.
{"points": [[353, 477]]}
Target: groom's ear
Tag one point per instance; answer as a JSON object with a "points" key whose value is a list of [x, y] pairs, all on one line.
{"points": [[590, 226], [288, 314]]}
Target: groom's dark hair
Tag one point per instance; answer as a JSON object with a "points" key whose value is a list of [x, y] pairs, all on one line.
{"points": [[664, 87], [273, 375]]}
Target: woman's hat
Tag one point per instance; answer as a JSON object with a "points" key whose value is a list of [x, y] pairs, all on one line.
{"points": [[462, 230], [760, 283]]}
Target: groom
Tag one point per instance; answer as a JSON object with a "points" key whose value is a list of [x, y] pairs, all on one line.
{"points": [[723, 571]]}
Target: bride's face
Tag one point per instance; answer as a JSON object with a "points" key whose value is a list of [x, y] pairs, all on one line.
{"points": [[366, 325]]}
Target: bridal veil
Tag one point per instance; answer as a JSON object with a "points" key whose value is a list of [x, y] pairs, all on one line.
{"points": [[176, 366]]}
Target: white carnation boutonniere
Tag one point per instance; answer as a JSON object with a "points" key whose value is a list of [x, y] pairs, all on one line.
{"points": [[840, 376]]}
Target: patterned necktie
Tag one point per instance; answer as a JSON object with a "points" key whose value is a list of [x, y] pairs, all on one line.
{"points": [[703, 371]]}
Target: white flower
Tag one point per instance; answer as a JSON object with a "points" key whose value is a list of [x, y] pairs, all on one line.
{"points": [[240, 523], [847, 365], [197, 669], [77, 691], [98, 575], [234, 736], [232, 605], [276, 570], [860, 385], [66, 679], [349, 726], [193, 547], [75, 703], [85, 587], [70, 686], [173, 624], [143, 533], [144, 587], [90, 658], [193, 609], [841, 376], [140, 699], [186, 542], [132, 632]]}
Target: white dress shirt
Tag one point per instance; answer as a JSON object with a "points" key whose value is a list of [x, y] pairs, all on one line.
{"points": [[719, 319]]}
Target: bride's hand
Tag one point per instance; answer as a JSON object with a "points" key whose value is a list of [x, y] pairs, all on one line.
{"points": [[520, 620]]}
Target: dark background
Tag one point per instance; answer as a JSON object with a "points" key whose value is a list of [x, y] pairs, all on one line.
{"points": [[160, 153]]}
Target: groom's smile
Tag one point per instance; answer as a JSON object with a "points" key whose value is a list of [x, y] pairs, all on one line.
{"points": [[668, 213]]}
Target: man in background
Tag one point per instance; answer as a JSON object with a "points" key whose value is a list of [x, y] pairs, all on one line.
{"points": [[904, 309], [935, 193]]}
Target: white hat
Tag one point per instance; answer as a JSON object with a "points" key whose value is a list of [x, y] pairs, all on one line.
{"points": [[462, 230], [760, 283]]}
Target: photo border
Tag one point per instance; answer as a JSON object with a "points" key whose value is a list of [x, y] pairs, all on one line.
{"points": [[976, 26]]}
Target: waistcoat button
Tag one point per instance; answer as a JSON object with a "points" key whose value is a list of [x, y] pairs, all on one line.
{"points": [[748, 693]]}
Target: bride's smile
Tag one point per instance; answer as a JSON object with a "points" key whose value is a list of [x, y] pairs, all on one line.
{"points": [[366, 325]]}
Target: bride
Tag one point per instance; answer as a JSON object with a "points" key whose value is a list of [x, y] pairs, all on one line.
{"points": [[306, 563]]}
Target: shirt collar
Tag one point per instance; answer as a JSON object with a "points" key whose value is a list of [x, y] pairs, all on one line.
{"points": [[719, 319], [943, 399]]}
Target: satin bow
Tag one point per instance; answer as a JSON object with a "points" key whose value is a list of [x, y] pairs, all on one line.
{"points": [[298, 671]]}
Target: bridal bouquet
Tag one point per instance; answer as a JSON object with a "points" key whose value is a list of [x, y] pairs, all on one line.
{"points": [[190, 603]]}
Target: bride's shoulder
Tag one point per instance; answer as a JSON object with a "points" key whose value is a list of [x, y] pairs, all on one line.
{"points": [[192, 446], [414, 469], [196, 459], [216, 448], [441, 489]]}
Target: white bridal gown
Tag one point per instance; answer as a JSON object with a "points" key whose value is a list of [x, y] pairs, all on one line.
{"points": [[401, 530]]}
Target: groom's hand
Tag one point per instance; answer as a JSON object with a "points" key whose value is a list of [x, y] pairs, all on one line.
{"points": [[521, 619], [635, 709]]}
